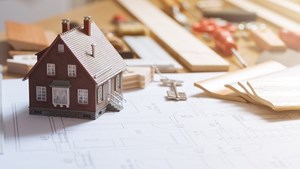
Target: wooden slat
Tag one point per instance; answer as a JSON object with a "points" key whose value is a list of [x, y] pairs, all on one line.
{"points": [[25, 36], [192, 53], [288, 8], [267, 40], [268, 15]]}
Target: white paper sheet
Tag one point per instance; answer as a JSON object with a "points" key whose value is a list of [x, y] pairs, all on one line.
{"points": [[152, 133]]}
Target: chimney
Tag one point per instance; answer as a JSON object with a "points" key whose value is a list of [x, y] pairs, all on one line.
{"points": [[93, 49], [65, 25], [87, 25]]}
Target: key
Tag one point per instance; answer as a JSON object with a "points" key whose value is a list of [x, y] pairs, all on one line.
{"points": [[173, 94]]}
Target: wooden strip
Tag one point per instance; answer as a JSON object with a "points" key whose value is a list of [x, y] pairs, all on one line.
{"points": [[215, 87], [267, 39], [268, 15], [288, 8], [279, 91], [192, 53], [25, 36]]}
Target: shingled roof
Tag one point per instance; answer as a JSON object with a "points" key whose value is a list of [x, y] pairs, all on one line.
{"points": [[106, 61]]}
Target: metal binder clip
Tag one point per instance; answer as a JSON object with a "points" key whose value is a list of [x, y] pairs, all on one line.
{"points": [[173, 94]]}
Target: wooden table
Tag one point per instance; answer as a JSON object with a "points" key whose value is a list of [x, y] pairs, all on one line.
{"points": [[102, 13]]}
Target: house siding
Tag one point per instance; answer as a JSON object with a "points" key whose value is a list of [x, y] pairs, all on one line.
{"points": [[81, 81], [105, 102]]}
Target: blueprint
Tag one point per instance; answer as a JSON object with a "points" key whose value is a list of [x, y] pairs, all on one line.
{"points": [[152, 133]]}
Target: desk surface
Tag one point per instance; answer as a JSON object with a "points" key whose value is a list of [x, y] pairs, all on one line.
{"points": [[152, 133]]}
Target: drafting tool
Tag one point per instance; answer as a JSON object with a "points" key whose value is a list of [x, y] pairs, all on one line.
{"points": [[267, 14], [266, 39], [150, 54], [137, 77], [173, 94], [209, 25], [1, 116], [221, 31], [183, 45]]}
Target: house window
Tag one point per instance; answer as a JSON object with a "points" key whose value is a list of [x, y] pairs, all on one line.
{"points": [[41, 93], [61, 48], [118, 82], [50, 69], [72, 70], [60, 96], [83, 96], [100, 93]]}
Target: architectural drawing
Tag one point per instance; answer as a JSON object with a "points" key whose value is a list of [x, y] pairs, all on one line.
{"points": [[153, 134]]}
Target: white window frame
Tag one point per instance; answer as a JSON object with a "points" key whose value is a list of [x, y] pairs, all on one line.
{"points": [[41, 93], [60, 92], [83, 96], [72, 72], [100, 94], [118, 82], [50, 69], [60, 48]]}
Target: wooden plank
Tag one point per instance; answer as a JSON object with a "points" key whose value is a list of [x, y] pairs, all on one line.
{"points": [[192, 53], [137, 77], [279, 90], [25, 36], [215, 87], [267, 40], [288, 8], [266, 14]]}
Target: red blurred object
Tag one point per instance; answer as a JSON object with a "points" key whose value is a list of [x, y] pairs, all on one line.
{"points": [[224, 41], [221, 31], [210, 25], [290, 38], [119, 18]]}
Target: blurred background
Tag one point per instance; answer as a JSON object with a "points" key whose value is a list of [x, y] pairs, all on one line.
{"points": [[33, 10]]}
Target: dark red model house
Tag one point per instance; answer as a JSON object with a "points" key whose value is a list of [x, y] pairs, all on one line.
{"points": [[78, 75]]}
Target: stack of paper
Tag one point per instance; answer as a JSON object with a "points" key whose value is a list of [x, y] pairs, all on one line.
{"points": [[270, 84]]}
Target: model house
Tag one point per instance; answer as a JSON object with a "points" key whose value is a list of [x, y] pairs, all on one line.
{"points": [[78, 75]]}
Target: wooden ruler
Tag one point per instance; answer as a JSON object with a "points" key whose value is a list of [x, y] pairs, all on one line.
{"points": [[192, 53], [266, 14]]}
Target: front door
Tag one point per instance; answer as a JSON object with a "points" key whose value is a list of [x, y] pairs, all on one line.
{"points": [[107, 90], [60, 96]]}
